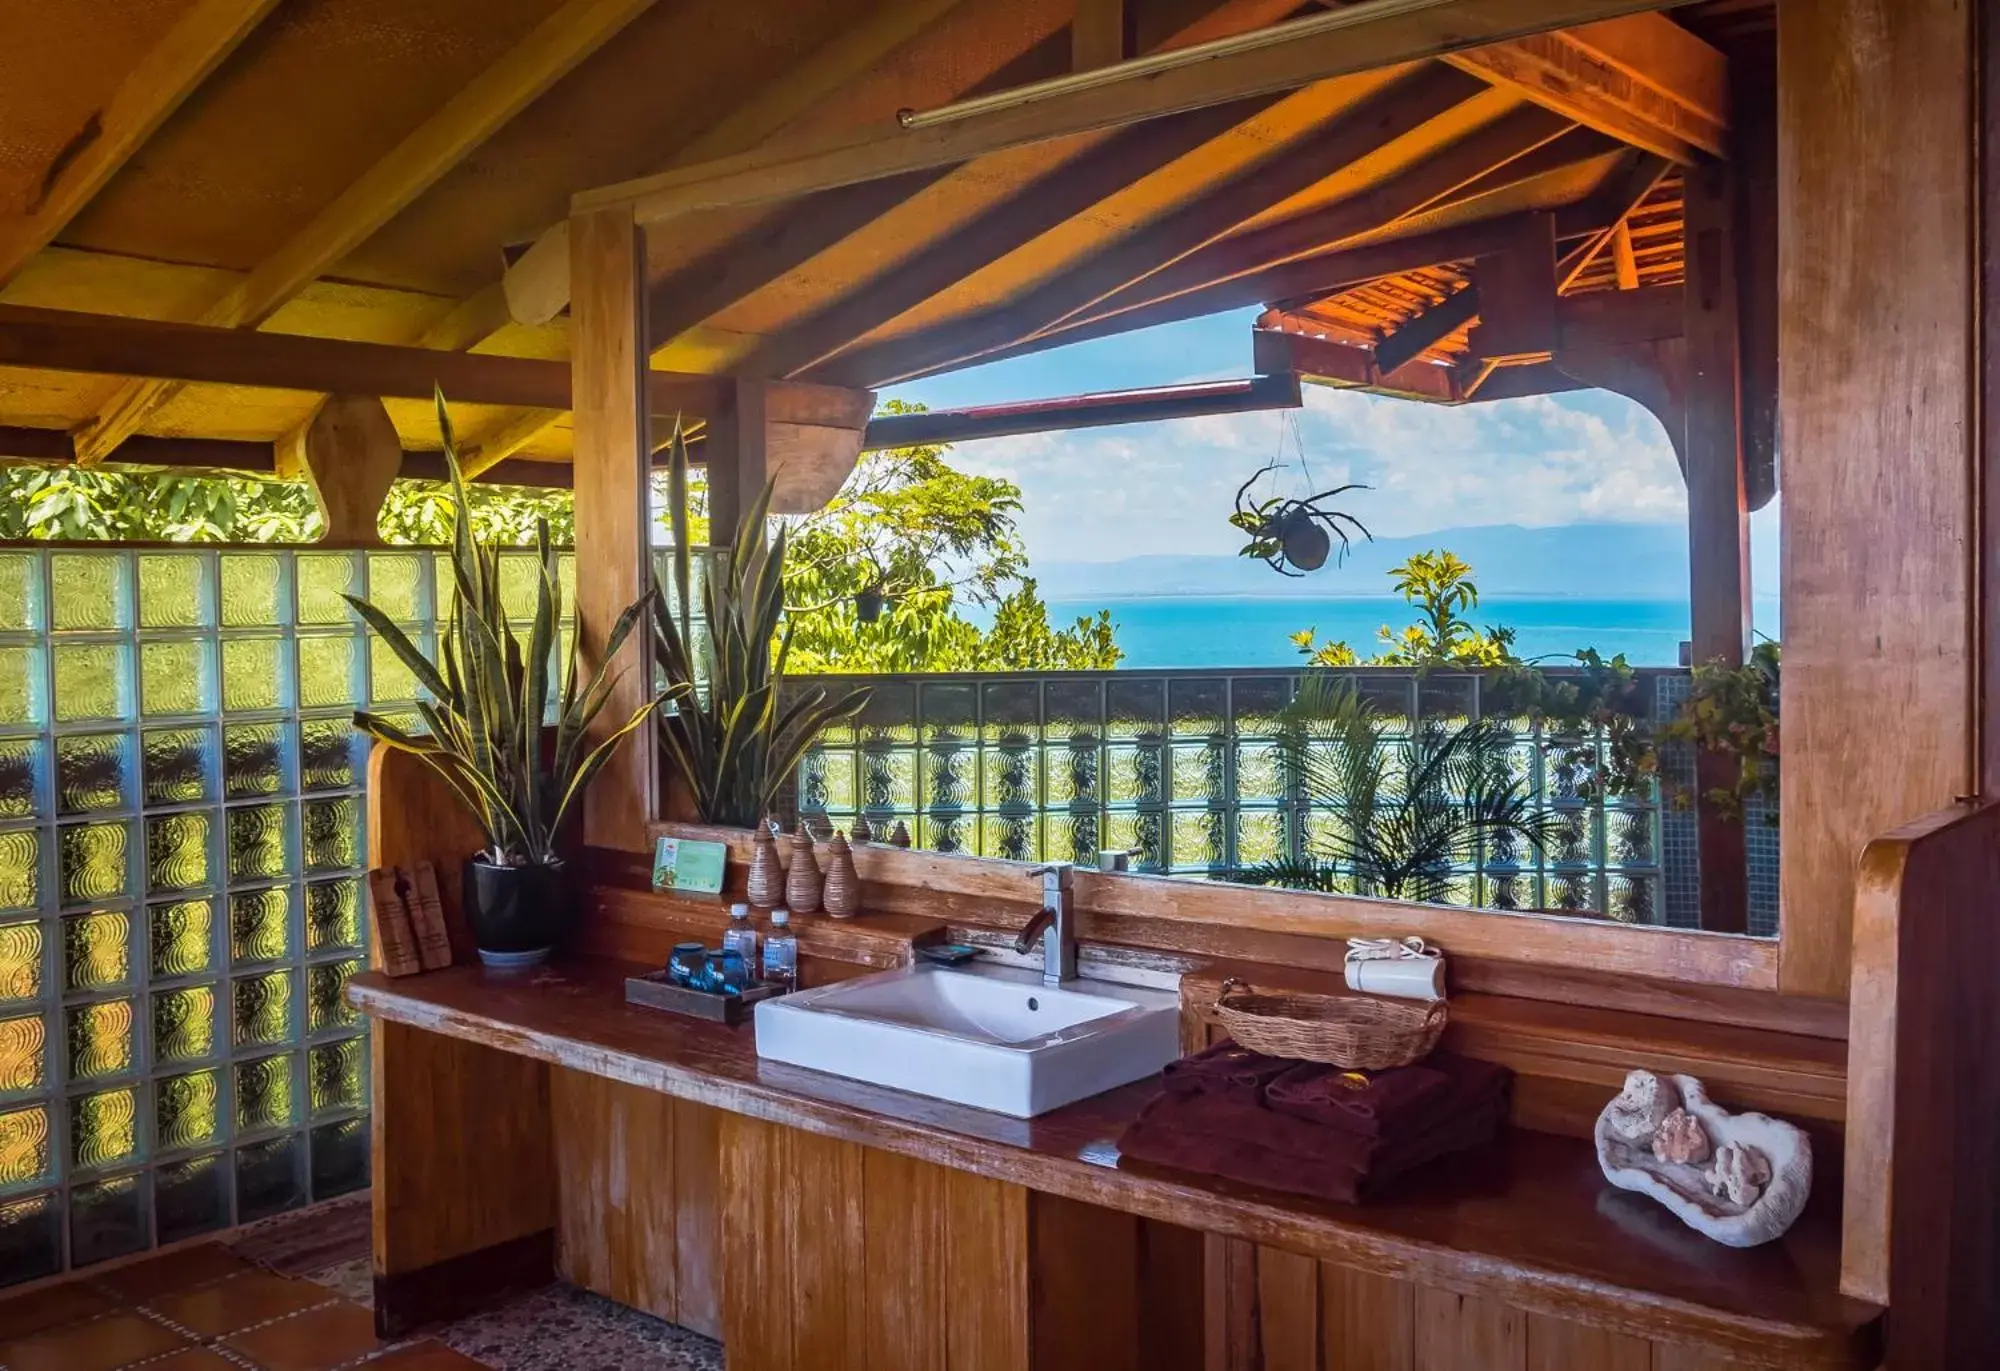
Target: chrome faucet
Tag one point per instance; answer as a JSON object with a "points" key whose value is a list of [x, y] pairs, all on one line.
{"points": [[1054, 924]]}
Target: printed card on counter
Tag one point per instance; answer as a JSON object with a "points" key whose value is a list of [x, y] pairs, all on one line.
{"points": [[689, 866]]}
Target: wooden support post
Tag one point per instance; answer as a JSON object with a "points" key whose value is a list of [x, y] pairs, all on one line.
{"points": [[737, 458], [1718, 514], [350, 454], [613, 474]]}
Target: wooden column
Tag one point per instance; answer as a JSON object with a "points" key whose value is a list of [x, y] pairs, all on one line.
{"points": [[737, 457], [349, 452], [608, 363], [1718, 513], [1876, 331]]}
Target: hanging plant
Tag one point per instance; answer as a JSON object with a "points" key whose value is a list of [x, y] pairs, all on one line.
{"points": [[1294, 536]]}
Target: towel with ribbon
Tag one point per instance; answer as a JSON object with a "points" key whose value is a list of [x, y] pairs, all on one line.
{"points": [[1408, 967]]}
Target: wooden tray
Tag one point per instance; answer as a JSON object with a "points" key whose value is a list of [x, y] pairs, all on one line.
{"points": [[655, 991]]}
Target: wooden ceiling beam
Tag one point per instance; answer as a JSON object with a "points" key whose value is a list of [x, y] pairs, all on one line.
{"points": [[1404, 107], [1044, 203], [1362, 37], [1218, 259], [1481, 163], [548, 53], [537, 284], [112, 345], [1641, 78], [1277, 390], [172, 69], [735, 271]]}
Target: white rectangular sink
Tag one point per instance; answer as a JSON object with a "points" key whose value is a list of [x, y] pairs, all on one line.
{"points": [[990, 1037]]}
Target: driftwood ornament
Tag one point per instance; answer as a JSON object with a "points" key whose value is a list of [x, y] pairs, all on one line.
{"points": [[765, 885], [842, 893], [1655, 1137], [802, 880]]}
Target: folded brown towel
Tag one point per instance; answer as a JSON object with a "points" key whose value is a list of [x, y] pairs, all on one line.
{"points": [[1225, 1070], [1158, 1139], [1378, 1104]]}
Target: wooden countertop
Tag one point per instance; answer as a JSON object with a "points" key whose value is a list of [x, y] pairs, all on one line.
{"points": [[1531, 1222]]}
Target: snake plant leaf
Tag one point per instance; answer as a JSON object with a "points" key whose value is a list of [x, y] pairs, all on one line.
{"points": [[399, 643], [490, 690]]}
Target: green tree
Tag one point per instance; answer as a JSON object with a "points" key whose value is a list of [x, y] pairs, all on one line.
{"points": [[1439, 584], [83, 504], [930, 541]]}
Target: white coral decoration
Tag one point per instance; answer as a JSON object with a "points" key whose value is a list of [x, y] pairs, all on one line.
{"points": [[1641, 1107], [1681, 1138], [1740, 1172]]}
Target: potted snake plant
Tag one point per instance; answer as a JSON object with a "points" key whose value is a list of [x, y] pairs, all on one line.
{"points": [[486, 735], [733, 734]]}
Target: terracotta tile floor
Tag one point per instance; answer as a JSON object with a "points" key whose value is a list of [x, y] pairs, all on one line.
{"points": [[293, 1294]]}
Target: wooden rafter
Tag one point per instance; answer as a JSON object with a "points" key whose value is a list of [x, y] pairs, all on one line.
{"points": [[1380, 33], [720, 279], [1278, 390], [537, 284], [1149, 278], [169, 72], [1039, 206], [1481, 163], [1610, 205], [110, 345], [1100, 34], [1378, 121], [551, 50], [1427, 330], [1642, 79]]}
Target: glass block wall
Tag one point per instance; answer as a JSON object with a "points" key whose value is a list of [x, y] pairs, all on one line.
{"points": [[181, 843], [1182, 772]]}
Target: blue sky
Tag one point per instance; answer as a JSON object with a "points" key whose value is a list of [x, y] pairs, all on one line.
{"points": [[1103, 494]]}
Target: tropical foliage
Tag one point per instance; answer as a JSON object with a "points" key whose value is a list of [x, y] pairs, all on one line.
{"points": [[733, 733], [79, 503], [1439, 585], [1734, 710], [932, 542], [490, 694], [1404, 814]]}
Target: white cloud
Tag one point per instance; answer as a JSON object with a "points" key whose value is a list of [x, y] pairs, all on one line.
{"points": [[1110, 493]]}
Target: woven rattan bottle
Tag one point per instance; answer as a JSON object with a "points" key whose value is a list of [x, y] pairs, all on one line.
{"points": [[765, 885], [802, 881], [842, 895]]}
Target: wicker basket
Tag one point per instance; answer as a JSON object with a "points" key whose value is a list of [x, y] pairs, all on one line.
{"points": [[1354, 1032]]}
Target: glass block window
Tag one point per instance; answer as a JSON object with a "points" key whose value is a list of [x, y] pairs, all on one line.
{"points": [[181, 851], [1180, 771]]}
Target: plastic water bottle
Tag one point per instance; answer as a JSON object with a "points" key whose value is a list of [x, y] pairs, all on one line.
{"points": [[781, 952], [742, 938]]}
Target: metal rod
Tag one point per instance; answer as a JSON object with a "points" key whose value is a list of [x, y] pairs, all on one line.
{"points": [[1348, 17]]}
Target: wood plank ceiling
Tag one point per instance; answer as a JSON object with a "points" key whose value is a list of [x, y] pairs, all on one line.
{"points": [[367, 170]]}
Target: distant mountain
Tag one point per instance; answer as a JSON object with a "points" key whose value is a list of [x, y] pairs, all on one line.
{"points": [[1593, 561]]}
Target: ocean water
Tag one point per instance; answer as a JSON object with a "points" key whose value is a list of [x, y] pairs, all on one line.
{"points": [[1227, 631]]}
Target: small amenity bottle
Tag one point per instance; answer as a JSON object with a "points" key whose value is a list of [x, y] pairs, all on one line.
{"points": [[781, 952], [742, 938]]}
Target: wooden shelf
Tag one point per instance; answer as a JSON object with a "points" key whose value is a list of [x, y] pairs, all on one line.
{"points": [[1531, 1222]]}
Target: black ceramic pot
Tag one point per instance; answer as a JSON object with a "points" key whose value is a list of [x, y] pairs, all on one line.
{"points": [[517, 913]]}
